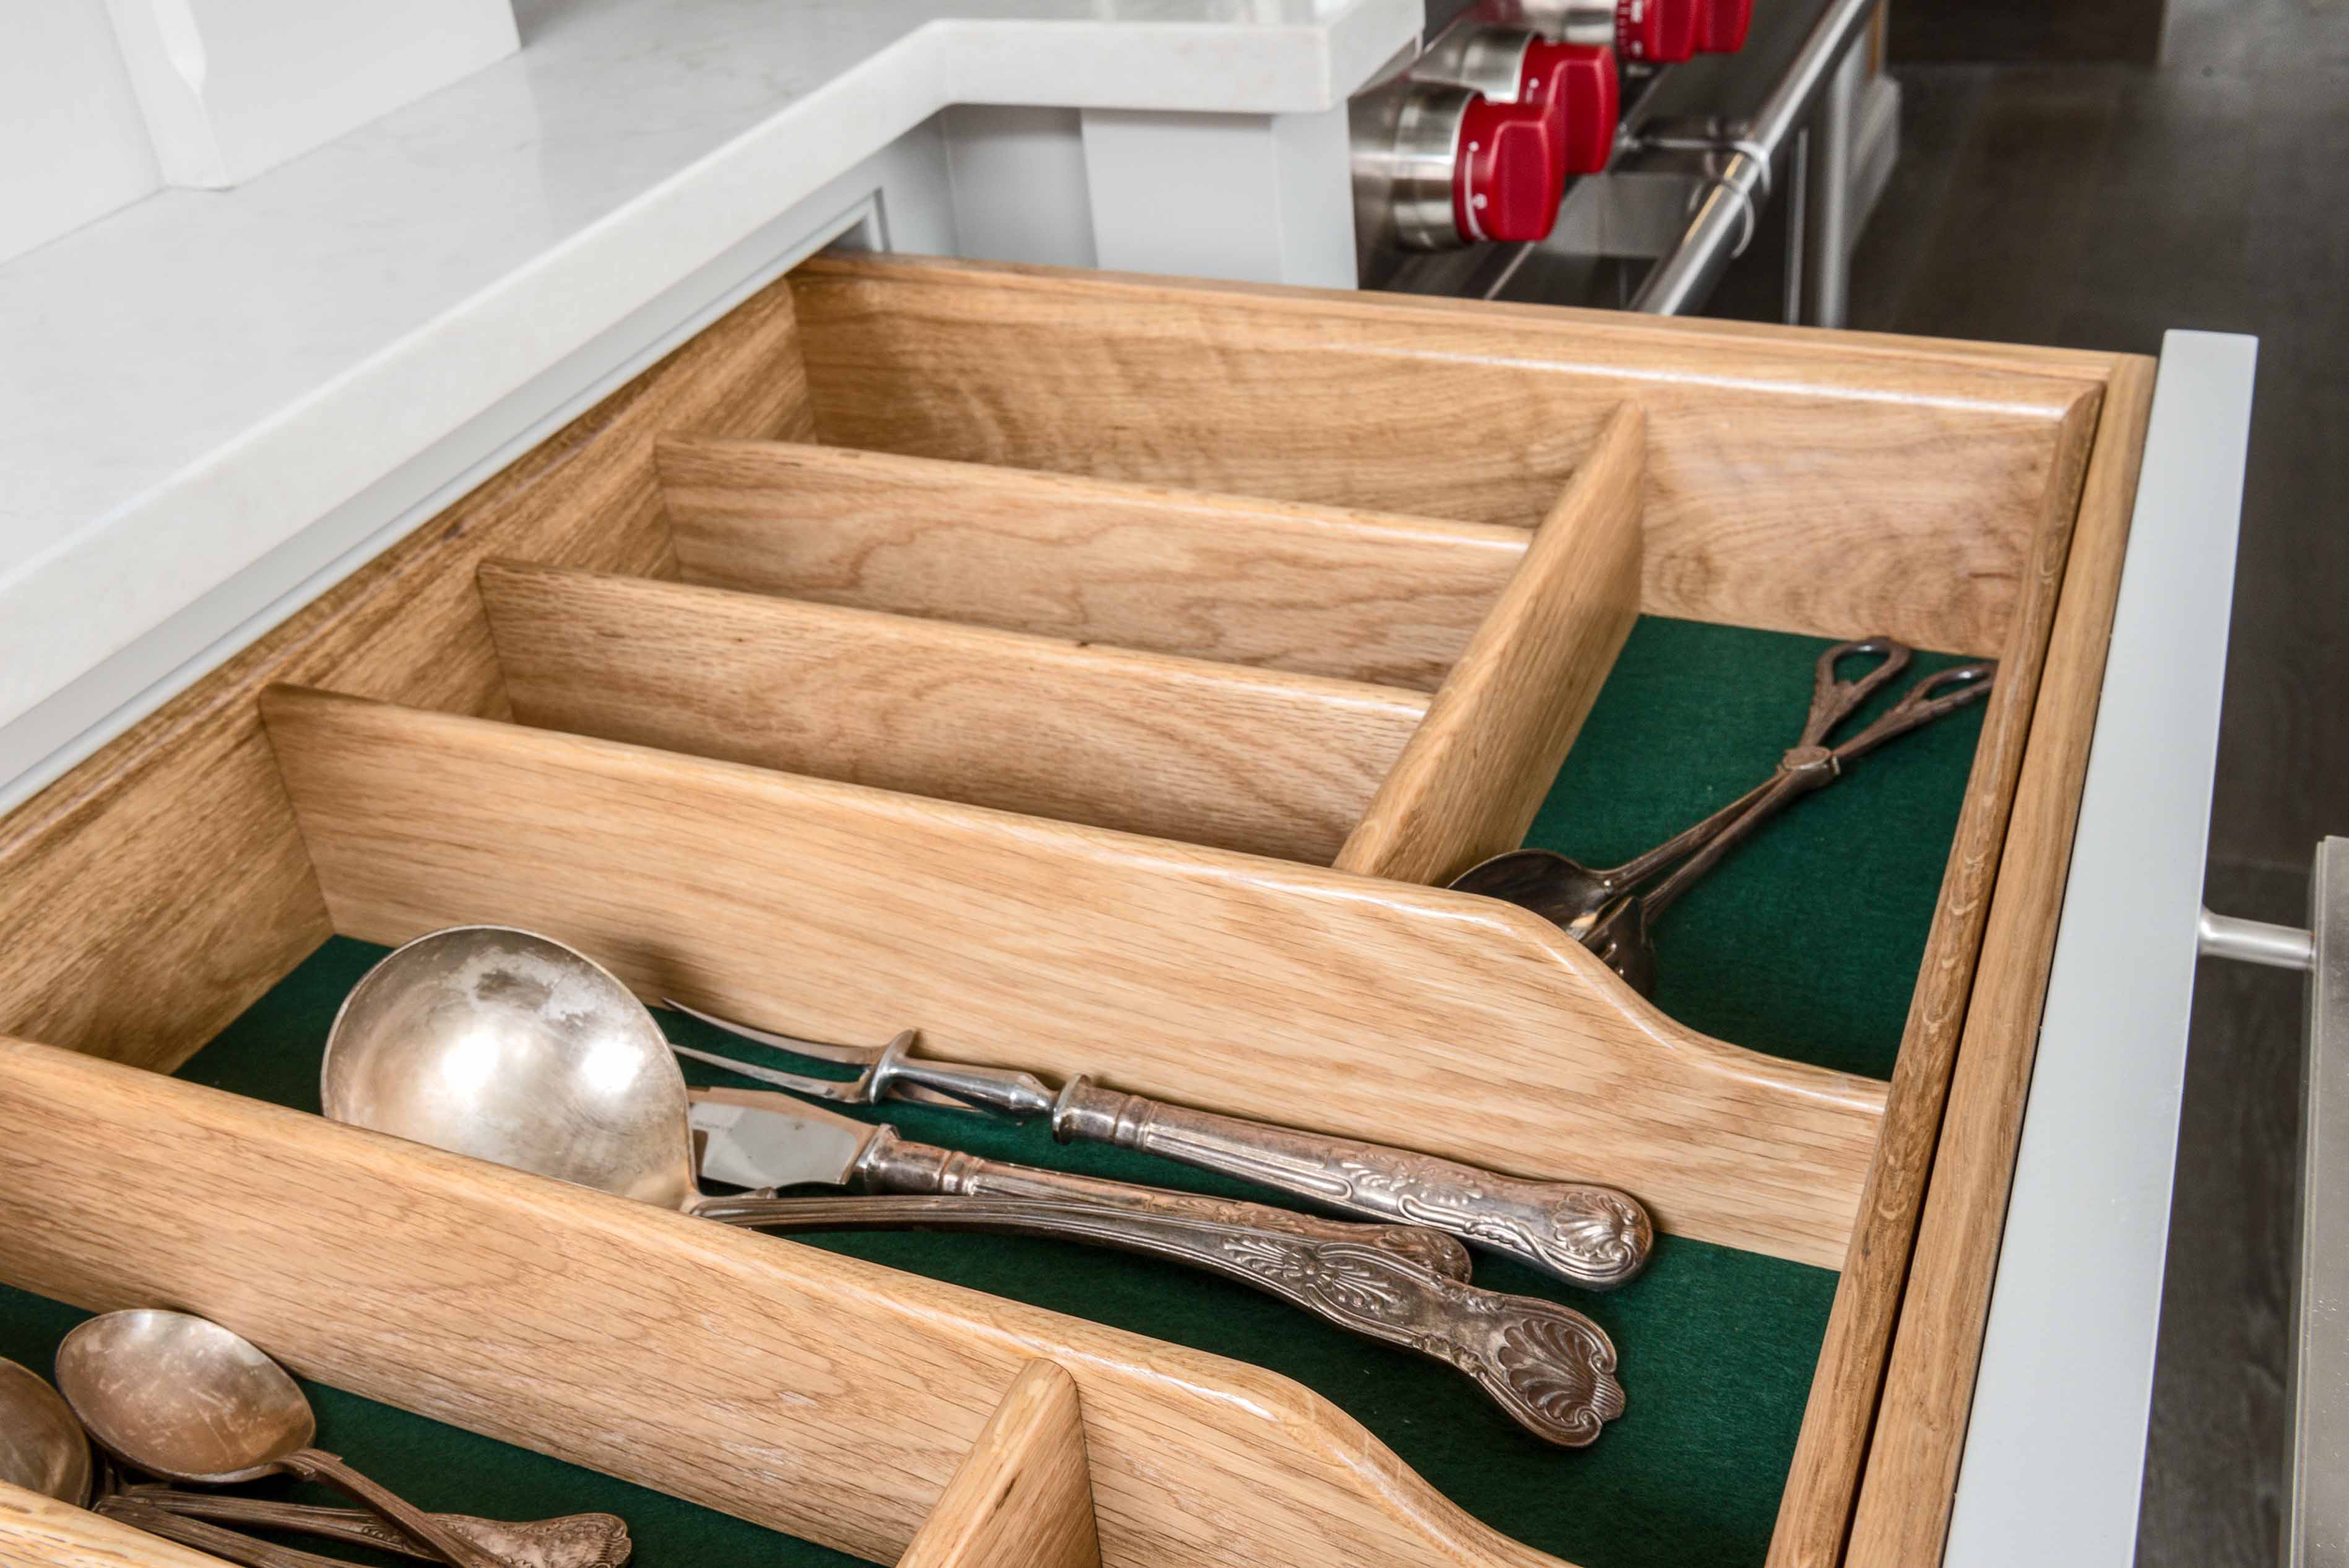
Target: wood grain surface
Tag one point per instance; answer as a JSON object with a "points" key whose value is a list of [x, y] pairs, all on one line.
{"points": [[171, 854], [1912, 1459], [1363, 596], [1260, 760], [1468, 783], [1830, 484], [1442, 1021], [1825, 1477], [817, 1393], [38, 1531], [1024, 1495]]}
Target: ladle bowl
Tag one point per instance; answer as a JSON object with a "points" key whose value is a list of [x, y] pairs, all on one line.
{"points": [[495, 1042]]}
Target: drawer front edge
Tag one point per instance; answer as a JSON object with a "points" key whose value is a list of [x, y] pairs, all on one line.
{"points": [[2055, 1446]]}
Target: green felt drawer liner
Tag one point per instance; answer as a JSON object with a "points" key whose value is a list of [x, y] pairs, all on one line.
{"points": [[1805, 943]]}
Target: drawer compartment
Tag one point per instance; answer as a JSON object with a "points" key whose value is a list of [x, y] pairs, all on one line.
{"points": [[1267, 761], [1119, 705], [1377, 598]]}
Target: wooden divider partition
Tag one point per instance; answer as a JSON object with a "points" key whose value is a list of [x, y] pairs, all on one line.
{"points": [[1361, 596], [1024, 1495], [1021, 1498], [1228, 981], [1259, 760], [1467, 785], [821, 1395], [38, 1532], [1802, 481]]}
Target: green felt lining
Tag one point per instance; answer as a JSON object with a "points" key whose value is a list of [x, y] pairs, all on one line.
{"points": [[1805, 944]]}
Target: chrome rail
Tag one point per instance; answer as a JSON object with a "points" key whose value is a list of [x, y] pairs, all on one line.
{"points": [[2316, 1525], [1725, 221]]}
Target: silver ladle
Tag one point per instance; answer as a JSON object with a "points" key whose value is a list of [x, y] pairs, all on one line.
{"points": [[182, 1398], [42, 1447], [510, 1047], [1601, 909]]}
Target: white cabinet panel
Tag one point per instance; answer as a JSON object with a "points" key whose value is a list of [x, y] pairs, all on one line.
{"points": [[72, 145]]}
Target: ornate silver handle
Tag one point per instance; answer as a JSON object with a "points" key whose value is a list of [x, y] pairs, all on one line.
{"points": [[1551, 1368], [572, 1541], [1582, 1233], [317, 1465], [894, 1165]]}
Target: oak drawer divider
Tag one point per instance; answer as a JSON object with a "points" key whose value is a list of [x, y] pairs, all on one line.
{"points": [[819, 1394], [1470, 781], [38, 1531], [1024, 1495], [1258, 759], [1823, 483], [1229, 981], [1361, 595]]}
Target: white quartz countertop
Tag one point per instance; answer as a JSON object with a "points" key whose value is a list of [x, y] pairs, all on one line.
{"points": [[191, 381]]}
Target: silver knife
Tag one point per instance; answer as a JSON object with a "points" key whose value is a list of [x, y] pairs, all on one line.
{"points": [[763, 1140], [1549, 1368]]}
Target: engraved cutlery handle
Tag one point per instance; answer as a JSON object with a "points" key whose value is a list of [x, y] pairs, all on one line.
{"points": [[317, 1465], [894, 1165], [1582, 1233], [1552, 1370], [570, 1541]]}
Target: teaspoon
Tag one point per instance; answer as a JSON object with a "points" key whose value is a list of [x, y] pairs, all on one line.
{"points": [[183, 1398], [510, 1047]]}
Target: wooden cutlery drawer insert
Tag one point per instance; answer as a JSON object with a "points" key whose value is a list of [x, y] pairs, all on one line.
{"points": [[1106, 676]]}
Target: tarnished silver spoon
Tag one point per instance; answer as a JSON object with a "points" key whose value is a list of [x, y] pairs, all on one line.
{"points": [[510, 1047], [183, 1398], [567, 1541], [42, 1447]]}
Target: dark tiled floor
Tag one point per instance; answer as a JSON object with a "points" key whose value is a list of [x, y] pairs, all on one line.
{"points": [[2097, 206]]}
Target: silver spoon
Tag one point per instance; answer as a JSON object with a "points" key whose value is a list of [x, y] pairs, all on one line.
{"points": [[510, 1047], [42, 1447], [567, 1541], [182, 1398], [229, 1545], [1602, 911]]}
